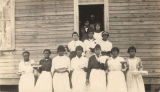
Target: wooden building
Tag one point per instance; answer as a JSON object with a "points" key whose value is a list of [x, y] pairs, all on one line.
{"points": [[34, 25]]}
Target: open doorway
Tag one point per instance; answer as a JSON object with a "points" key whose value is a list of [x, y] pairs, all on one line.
{"points": [[91, 13]]}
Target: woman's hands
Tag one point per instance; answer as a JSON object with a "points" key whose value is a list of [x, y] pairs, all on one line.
{"points": [[87, 82], [21, 72], [61, 70]]}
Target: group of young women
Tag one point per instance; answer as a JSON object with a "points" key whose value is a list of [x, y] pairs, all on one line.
{"points": [[92, 66]]}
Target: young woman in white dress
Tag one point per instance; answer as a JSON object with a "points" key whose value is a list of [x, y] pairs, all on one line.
{"points": [[60, 71], [78, 71], [98, 32], [44, 82], [134, 81], [116, 78], [96, 75], [26, 82]]}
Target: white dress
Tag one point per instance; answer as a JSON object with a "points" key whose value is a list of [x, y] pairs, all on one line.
{"points": [[61, 80], [134, 81], [73, 44], [105, 45], [116, 78], [26, 82], [97, 75], [89, 43], [98, 36], [79, 75]]}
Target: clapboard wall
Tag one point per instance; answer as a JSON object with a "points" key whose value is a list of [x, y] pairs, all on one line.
{"points": [[44, 24], [137, 22]]}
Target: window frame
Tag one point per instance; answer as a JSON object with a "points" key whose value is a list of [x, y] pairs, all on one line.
{"points": [[76, 13], [12, 20]]}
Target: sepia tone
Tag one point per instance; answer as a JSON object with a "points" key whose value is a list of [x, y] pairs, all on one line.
{"points": [[34, 25]]}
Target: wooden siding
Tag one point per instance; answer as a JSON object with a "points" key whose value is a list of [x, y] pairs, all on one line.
{"points": [[137, 22], [47, 23]]}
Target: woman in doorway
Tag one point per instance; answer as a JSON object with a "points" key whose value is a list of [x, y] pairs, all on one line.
{"points": [[44, 82], [96, 75], [116, 78], [26, 82], [78, 71], [134, 80], [98, 32], [60, 70]]}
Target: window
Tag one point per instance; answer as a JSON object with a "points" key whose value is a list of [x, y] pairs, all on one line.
{"points": [[7, 22]]}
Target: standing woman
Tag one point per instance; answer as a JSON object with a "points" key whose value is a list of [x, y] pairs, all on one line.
{"points": [[96, 75], [26, 82], [116, 78], [44, 82], [78, 70], [134, 81], [98, 32], [60, 69]]}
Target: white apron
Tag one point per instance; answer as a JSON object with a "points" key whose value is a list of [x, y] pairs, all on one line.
{"points": [[134, 81], [97, 80], [78, 81], [26, 82], [44, 82], [116, 78], [61, 82]]}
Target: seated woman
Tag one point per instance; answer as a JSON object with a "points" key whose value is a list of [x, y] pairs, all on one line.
{"points": [[74, 43]]}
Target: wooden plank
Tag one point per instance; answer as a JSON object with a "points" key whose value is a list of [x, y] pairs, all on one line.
{"points": [[45, 13], [119, 1], [135, 31], [135, 4], [134, 15], [136, 23], [140, 19], [135, 39], [126, 8]]}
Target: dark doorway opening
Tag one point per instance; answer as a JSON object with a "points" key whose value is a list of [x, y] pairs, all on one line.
{"points": [[85, 12]]}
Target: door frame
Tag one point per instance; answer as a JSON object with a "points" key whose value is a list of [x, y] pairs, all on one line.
{"points": [[76, 13]]}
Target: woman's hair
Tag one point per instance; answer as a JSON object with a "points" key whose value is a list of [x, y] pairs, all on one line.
{"points": [[131, 48], [105, 33], [75, 33], [97, 47], [79, 48], [61, 48], [98, 23], [115, 49], [47, 50], [26, 52]]}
